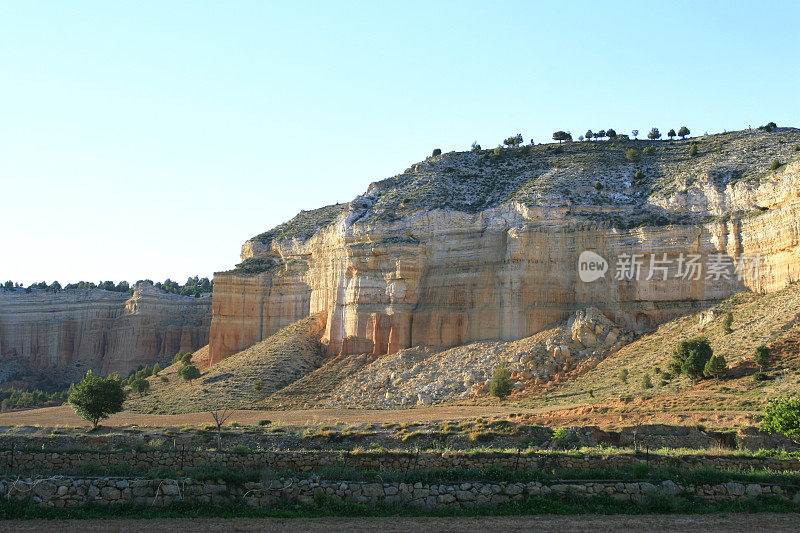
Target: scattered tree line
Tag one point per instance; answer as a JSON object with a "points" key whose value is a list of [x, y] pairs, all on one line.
{"points": [[13, 398], [194, 286]]}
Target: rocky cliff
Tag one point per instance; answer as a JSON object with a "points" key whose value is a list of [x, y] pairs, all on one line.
{"points": [[60, 335], [486, 245]]}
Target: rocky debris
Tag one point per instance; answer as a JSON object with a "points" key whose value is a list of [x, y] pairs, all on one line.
{"points": [[424, 376]]}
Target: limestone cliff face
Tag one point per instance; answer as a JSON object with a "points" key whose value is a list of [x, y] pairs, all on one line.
{"points": [[62, 334], [394, 270]]}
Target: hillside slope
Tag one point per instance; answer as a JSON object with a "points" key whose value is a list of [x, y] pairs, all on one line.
{"points": [[241, 381]]}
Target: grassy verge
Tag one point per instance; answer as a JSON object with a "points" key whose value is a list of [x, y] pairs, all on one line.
{"points": [[661, 504], [638, 472]]}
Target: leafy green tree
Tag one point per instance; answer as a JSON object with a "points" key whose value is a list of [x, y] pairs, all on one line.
{"points": [[634, 133], [562, 136], [501, 385], [156, 369], [601, 134], [761, 357], [475, 147], [690, 358], [514, 141], [727, 322], [683, 132], [782, 415], [436, 151], [693, 150], [654, 134], [611, 133], [589, 135], [671, 134], [95, 398], [716, 367], [140, 386], [189, 372]]}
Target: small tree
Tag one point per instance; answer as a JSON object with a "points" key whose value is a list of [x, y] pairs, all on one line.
{"points": [[611, 133], [775, 165], [647, 383], [716, 367], [623, 375], [782, 415], [475, 146], [671, 134], [140, 386], [690, 358], [220, 416], [693, 150], [189, 372], [654, 134], [727, 322], [761, 357], [514, 141], [683, 132], [601, 134], [95, 398], [632, 155], [589, 135], [634, 133], [436, 151], [562, 136], [501, 385], [156, 369]]}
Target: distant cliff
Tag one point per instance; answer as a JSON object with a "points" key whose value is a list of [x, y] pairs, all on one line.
{"points": [[59, 335], [485, 245]]}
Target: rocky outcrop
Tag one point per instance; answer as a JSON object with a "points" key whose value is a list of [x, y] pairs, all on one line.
{"points": [[468, 247], [62, 334]]}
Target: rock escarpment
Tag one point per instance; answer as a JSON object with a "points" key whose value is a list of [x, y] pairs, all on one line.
{"points": [[60, 335], [474, 246]]}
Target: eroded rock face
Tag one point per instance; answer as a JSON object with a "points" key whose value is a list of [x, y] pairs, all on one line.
{"points": [[444, 277], [62, 334]]}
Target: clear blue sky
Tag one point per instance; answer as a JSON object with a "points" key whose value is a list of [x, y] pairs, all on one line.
{"points": [[150, 139]]}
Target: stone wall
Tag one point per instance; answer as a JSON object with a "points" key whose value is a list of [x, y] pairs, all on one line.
{"points": [[76, 491], [313, 460]]}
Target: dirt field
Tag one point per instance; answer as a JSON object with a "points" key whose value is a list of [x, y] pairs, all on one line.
{"points": [[605, 416], [689, 523]]}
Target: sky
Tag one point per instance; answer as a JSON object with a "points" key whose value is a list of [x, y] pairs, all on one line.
{"points": [[151, 139]]}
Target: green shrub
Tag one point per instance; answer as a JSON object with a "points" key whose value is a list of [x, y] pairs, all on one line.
{"points": [[647, 383], [240, 449], [761, 357], [235, 424], [189, 372], [690, 358], [140, 386], [760, 376], [693, 150], [598, 186], [639, 175], [258, 385], [716, 367], [727, 322], [501, 385], [561, 434], [623, 375], [775, 165], [164, 379], [650, 150], [264, 422], [782, 415], [632, 155]]}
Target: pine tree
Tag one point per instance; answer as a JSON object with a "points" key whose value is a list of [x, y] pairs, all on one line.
{"points": [[717, 367]]}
